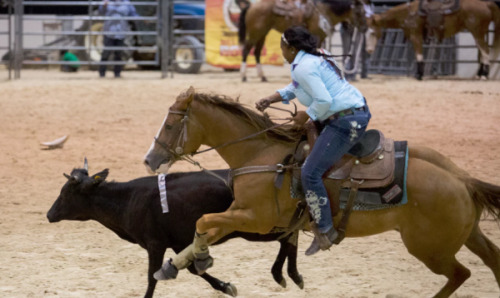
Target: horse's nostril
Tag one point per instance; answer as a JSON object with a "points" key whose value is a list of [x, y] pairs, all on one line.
{"points": [[146, 162]]}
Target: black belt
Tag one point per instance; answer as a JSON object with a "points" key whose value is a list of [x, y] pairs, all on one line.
{"points": [[346, 112]]}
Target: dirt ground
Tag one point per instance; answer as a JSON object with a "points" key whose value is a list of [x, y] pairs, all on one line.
{"points": [[112, 123]]}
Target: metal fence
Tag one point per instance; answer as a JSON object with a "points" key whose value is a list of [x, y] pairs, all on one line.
{"points": [[6, 33], [83, 35], [394, 55]]}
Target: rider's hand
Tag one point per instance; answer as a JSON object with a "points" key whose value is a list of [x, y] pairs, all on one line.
{"points": [[262, 104], [300, 119]]}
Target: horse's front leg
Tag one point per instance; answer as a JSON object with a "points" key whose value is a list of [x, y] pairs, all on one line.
{"points": [[417, 42], [212, 227]]}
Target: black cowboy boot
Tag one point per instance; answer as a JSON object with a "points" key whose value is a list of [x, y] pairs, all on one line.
{"points": [[321, 241]]}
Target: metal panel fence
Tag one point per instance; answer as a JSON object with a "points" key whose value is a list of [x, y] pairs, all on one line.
{"points": [[6, 34]]}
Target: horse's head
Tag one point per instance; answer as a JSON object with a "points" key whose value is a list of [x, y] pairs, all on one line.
{"points": [[373, 33], [171, 142]]}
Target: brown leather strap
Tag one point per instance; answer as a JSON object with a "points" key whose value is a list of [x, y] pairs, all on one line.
{"points": [[258, 169], [347, 210]]}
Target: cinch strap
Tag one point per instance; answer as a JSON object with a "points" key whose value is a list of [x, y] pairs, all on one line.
{"points": [[163, 192]]}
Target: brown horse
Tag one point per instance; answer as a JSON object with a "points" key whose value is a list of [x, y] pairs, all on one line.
{"points": [[259, 18], [442, 214], [473, 15]]}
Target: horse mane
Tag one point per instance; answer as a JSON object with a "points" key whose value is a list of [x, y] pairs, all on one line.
{"points": [[284, 134]]}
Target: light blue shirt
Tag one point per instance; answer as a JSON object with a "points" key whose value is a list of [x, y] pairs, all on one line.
{"points": [[318, 87], [117, 9]]}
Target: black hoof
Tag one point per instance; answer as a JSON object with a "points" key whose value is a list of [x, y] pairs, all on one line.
{"points": [[230, 289], [244, 79], [263, 79], [299, 281], [166, 272], [202, 262]]}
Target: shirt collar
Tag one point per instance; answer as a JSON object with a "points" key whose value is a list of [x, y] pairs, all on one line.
{"points": [[297, 59]]}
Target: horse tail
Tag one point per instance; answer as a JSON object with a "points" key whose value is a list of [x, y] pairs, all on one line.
{"points": [[242, 26], [495, 11], [485, 195]]}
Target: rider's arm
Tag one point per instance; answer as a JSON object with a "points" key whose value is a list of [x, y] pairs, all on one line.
{"points": [[286, 94]]}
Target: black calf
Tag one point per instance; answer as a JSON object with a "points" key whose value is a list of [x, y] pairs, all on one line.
{"points": [[132, 210]]}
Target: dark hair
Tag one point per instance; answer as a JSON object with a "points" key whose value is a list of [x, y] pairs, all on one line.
{"points": [[301, 39]]}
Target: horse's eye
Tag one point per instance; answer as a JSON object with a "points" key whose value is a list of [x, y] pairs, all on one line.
{"points": [[168, 126]]}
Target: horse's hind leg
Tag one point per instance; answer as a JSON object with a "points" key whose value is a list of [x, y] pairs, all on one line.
{"points": [[448, 266], [258, 50], [486, 250], [485, 56]]}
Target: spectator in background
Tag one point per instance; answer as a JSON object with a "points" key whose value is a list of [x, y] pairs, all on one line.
{"points": [[117, 9], [67, 56]]}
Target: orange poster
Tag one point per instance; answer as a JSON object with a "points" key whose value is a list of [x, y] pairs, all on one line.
{"points": [[221, 37]]}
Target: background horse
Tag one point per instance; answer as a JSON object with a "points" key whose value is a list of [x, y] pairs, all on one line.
{"points": [[258, 19], [442, 214], [473, 15]]}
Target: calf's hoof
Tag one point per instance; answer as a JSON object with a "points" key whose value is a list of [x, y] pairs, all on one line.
{"points": [[166, 272], [231, 289], [202, 262]]}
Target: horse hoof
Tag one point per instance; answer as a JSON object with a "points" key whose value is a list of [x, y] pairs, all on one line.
{"points": [[231, 290], [167, 271], [483, 78], [244, 79], [263, 79], [203, 262]]}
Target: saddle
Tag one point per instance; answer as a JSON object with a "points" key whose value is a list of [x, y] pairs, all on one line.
{"points": [[434, 11], [299, 9], [369, 164]]}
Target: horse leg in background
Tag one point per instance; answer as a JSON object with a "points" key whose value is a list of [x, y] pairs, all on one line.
{"points": [[258, 51], [482, 46], [480, 245], [217, 284], [417, 42], [244, 55]]}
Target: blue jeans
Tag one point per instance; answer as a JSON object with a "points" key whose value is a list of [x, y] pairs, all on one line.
{"points": [[335, 140], [112, 42]]}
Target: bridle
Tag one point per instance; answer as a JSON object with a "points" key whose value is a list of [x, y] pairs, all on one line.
{"points": [[180, 137]]}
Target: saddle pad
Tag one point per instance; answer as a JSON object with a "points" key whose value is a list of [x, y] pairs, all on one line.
{"points": [[389, 196]]}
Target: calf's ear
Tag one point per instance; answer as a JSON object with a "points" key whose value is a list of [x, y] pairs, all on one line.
{"points": [[100, 177]]}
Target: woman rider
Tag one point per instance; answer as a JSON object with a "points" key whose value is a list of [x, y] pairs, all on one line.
{"points": [[339, 107]]}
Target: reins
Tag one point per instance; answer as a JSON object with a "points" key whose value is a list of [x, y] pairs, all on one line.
{"points": [[182, 138]]}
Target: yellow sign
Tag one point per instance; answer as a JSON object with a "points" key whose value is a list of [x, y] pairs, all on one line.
{"points": [[221, 37]]}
